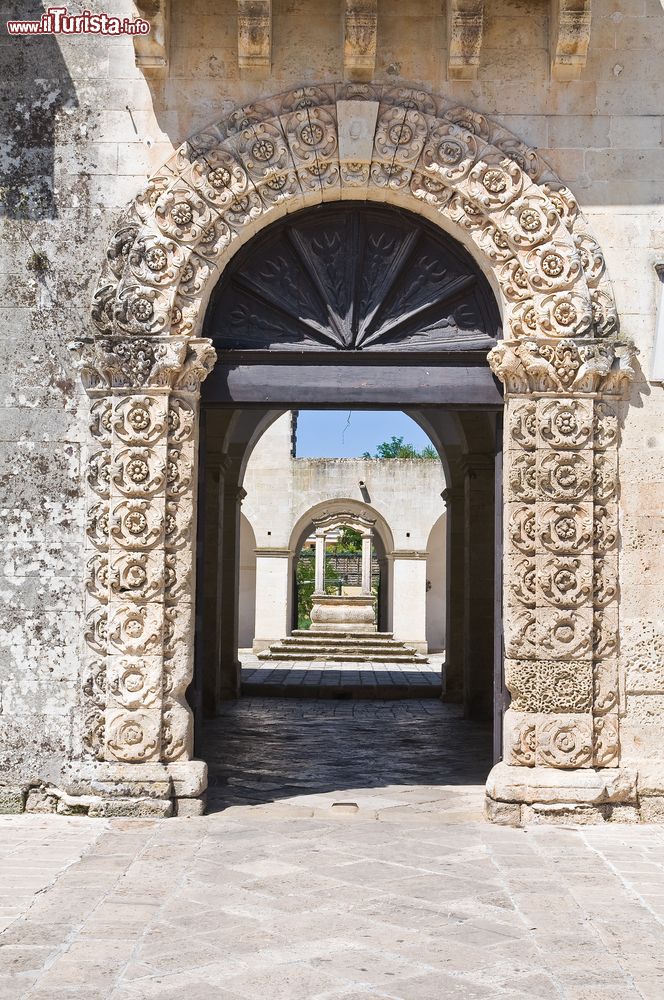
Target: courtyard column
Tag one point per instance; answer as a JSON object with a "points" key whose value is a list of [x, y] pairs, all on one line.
{"points": [[273, 596], [319, 569], [455, 576], [478, 585], [140, 574], [229, 665], [409, 595], [209, 609], [561, 565], [366, 563]]}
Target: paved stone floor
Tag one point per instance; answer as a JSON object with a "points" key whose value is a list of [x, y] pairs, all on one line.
{"points": [[326, 679], [345, 859]]}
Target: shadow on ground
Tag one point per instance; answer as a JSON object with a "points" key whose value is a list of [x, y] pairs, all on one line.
{"points": [[261, 750]]}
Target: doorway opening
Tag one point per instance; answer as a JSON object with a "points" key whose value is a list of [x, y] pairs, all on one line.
{"points": [[369, 308], [362, 565]]}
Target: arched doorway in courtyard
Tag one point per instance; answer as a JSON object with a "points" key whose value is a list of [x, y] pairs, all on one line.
{"points": [[369, 306], [183, 237]]}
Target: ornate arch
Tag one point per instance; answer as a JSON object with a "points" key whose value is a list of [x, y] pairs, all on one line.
{"points": [[559, 358], [293, 150]]}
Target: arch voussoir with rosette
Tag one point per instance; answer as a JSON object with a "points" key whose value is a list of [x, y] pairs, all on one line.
{"points": [[559, 361]]}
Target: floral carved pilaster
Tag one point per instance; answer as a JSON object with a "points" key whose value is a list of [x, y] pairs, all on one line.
{"points": [[140, 531], [561, 564]]}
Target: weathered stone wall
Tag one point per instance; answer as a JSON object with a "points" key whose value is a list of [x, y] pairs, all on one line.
{"points": [[85, 128]]}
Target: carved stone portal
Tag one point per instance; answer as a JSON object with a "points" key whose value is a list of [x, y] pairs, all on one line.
{"points": [[561, 367]]}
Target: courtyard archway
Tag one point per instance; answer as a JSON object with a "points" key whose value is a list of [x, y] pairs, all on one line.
{"points": [[558, 360]]}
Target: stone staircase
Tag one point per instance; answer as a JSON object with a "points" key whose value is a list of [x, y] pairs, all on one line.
{"points": [[315, 645]]}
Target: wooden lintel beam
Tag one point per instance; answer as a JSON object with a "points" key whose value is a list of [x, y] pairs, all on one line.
{"points": [[360, 31], [570, 37], [465, 24], [254, 34]]}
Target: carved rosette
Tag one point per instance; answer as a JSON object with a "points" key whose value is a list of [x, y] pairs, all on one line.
{"points": [[141, 476], [561, 561]]}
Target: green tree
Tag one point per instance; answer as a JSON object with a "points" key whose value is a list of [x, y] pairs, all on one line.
{"points": [[396, 447], [349, 540], [304, 581]]}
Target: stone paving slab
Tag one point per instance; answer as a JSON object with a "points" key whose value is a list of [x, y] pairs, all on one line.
{"points": [[409, 896], [361, 679]]}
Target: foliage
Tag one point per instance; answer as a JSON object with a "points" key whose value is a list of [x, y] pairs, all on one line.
{"points": [[304, 590], [304, 577], [350, 541], [396, 447]]}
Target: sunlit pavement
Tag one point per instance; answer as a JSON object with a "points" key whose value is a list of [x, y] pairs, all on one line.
{"points": [[345, 856]]}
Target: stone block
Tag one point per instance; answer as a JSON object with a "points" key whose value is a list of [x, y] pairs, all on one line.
{"points": [[132, 807], [12, 798], [110, 781], [651, 779], [67, 807], [502, 813], [563, 814], [544, 785], [185, 807], [652, 809], [189, 777], [41, 801]]}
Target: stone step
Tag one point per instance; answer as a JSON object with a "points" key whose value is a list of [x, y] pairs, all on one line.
{"points": [[307, 633], [341, 643], [343, 657], [365, 653], [316, 645], [347, 644]]}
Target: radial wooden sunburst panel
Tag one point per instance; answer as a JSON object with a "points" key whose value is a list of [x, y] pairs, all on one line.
{"points": [[353, 277]]}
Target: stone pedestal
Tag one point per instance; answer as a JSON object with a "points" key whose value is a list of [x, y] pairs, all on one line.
{"points": [[516, 796], [343, 614]]}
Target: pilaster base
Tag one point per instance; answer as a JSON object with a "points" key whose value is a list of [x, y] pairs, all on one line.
{"points": [[110, 788], [516, 796]]}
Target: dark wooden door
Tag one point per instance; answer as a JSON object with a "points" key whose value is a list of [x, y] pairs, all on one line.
{"points": [[353, 304]]}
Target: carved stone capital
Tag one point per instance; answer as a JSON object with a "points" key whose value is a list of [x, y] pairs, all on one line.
{"points": [[142, 362], [465, 24], [563, 366], [254, 34], [570, 38], [151, 51], [360, 31]]}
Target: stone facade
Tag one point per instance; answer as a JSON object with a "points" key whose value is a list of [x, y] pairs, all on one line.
{"points": [[99, 492]]}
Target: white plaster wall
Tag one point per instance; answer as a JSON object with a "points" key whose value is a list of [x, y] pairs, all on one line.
{"points": [[272, 598], [409, 594], [435, 603], [84, 129]]}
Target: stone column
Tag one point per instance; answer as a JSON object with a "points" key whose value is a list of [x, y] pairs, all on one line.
{"points": [[366, 563], [209, 610], [140, 579], [455, 589], [561, 579], [478, 585], [319, 570], [229, 665]]}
